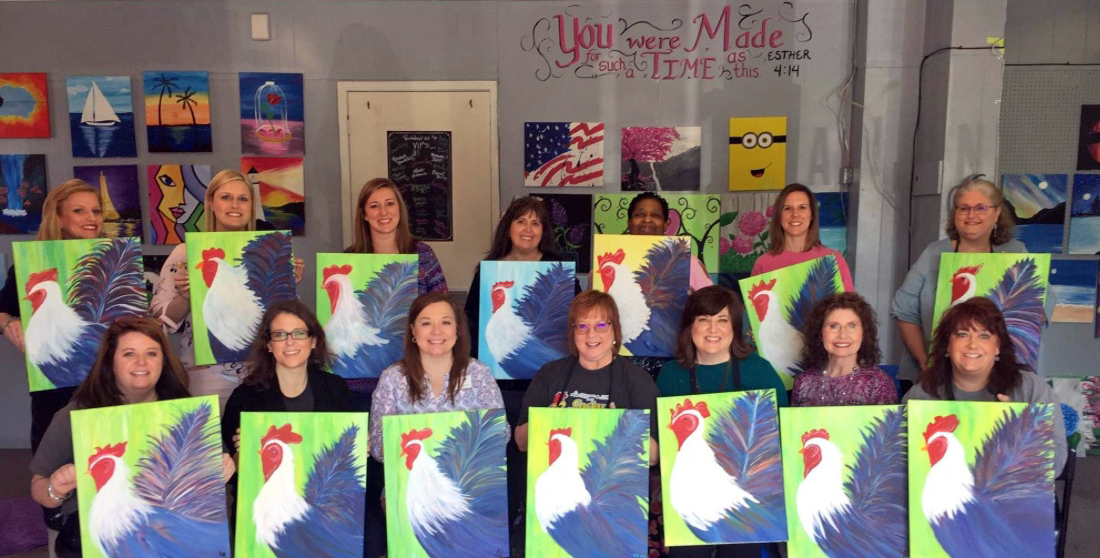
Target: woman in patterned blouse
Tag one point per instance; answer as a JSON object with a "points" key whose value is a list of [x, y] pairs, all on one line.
{"points": [[841, 355]]}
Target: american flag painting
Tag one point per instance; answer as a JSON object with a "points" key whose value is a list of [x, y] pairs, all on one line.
{"points": [[563, 154]]}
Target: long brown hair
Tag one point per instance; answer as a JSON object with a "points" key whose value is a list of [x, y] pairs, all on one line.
{"points": [[813, 349], [709, 301], [593, 300], [100, 388], [776, 236], [978, 312], [221, 179], [261, 362], [406, 242], [502, 239], [1004, 230], [460, 353], [50, 228]]}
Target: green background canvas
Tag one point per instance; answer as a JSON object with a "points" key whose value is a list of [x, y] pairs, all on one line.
{"points": [[364, 267], [992, 271], [699, 219]]}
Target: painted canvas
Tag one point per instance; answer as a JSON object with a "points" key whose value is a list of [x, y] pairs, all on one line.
{"points": [[1016, 283], [24, 106], [119, 190], [1080, 394], [446, 484], [524, 316], [587, 482], [234, 277], [648, 278], [149, 479], [1084, 217], [177, 195], [1088, 140], [778, 304], [22, 193], [832, 214], [563, 154], [721, 473], [658, 158], [977, 467], [272, 115], [571, 227], [151, 266], [846, 476], [368, 298], [72, 290], [1037, 204], [101, 116], [1073, 283], [744, 237], [693, 215], [301, 484], [281, 183], [758, 153], [177, 112]]}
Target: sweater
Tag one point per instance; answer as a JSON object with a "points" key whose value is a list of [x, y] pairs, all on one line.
{"points": [[756, 373]]}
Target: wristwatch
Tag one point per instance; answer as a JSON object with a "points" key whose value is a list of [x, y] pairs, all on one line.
{"points": [[49, 491]]}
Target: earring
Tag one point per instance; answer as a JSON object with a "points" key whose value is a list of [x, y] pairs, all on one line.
{"points": [[998, 357]]}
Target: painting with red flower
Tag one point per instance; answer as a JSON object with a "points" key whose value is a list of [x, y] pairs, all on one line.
{"points": [[744, 235], [24, 107], [272, 114]]}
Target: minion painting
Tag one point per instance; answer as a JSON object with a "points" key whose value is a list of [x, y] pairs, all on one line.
{"points": [[758, 153]]}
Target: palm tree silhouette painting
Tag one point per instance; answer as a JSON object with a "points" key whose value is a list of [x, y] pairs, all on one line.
{"points": [[187, 100], [167, 86], [177, 111]]}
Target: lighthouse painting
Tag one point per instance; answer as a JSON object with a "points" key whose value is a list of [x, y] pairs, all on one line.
{"points": [[101, 116]]}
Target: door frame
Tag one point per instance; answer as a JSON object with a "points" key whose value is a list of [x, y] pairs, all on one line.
{"points": [[349, 191]]}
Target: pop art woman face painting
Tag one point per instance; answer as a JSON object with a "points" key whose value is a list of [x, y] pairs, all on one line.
{"points": [[178, 196]]}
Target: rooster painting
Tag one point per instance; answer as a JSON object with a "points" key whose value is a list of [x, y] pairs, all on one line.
{"points": [[986, 495], [455, 499], [726, 482], [172, 501], [651, 295], [594, 503], [237, 289], [1019, 291], [851, 498], [526, 311], [366, 323], [70, 311], [781, 301]]}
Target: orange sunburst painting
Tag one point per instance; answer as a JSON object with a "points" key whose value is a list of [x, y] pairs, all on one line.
{"points": [[24, 110], [281, 185]]}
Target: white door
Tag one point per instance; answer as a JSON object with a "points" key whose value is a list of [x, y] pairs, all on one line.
{"points": [[369, 110]]}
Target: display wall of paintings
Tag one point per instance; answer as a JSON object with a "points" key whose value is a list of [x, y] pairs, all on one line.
{"points": [[281, 183], [571, 227], [101, 116], [758, 153], [693, 215], [563, 153], [1073, 284], [119, 190], [177, 112], [272, 114], [1088, 143], [658, 158], [1037, 204], [24, 106], [22, 193], [177, 195], [420, 164], [1084, 219]]}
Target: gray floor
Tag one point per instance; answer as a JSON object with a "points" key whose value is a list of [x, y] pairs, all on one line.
{"points": [[1083, 523]]}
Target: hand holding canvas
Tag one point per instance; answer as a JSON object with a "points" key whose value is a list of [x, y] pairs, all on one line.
{"points": [[63, 480], [228, 466], [14, 333], [299, 269], [1003, 398]]}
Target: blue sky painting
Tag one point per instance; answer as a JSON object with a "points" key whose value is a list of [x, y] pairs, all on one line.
{"points": [[1037, 202], [103, 131], [1084, 221], [1073, 283]]}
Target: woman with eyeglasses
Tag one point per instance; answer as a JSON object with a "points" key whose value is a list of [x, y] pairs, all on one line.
{"points": [[793, 234], [978, 224]]}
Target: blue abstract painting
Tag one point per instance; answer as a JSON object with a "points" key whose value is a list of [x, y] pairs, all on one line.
{"points": [[1073, 283], [1084, 220], [833, 220], [101, 116], [1037, 203], [22, 193]]}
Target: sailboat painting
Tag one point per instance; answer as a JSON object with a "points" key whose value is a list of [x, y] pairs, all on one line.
{"points": [[101, 116], [272, 115], [118, 188], [177, 112]]}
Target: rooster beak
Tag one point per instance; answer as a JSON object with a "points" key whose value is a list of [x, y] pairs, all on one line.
{"points": [[924, 447], [800, 450], [199, 266]]}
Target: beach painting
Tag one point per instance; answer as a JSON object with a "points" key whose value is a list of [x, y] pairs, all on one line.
{"points": [[281, 183], [272, 114], [832, 215], [177, 112], [24, 106], [22, 193], [101, 116], [1037, 204], [1084, 217], [658, 158], [1073, 283], [118, 188]]}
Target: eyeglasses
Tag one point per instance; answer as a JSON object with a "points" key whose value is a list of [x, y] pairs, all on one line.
{"points": [[980, 209], [763, 140], [280, 335], [598, 327]]}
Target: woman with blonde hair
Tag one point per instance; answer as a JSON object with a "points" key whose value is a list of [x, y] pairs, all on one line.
{"points": [[382, 227], [231, 205]]}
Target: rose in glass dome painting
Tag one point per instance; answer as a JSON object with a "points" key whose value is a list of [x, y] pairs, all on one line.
{"points": [[272, 114]]}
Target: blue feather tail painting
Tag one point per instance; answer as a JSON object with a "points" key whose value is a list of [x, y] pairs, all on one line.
{"points": [[721, 473], [72, 290], [846, 478], [363, 304], [524, 315], [446, 484], [981, 479], [301, 484]]}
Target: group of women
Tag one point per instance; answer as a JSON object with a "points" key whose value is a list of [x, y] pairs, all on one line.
{"points": [[971, 355]]}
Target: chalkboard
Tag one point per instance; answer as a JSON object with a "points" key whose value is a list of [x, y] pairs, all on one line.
{"points": [[420, 165]]}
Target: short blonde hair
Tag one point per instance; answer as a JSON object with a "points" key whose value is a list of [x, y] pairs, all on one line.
{"points": [[50, 229], [221, 179], [1004, 230], [406, 243]]}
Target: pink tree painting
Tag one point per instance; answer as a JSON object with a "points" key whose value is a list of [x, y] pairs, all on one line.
{"points": [[671, 153]]}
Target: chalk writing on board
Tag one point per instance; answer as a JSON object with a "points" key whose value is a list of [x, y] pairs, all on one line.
{"points": [[754, 42], [420, 164]]}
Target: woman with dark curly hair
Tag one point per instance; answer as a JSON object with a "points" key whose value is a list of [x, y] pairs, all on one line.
{"points": [[841, 356]]}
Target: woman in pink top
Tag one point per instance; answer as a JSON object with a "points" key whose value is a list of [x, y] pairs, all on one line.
{"points": [[793, 234]]}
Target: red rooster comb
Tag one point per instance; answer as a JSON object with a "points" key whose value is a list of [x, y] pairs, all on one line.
{"points": [[568, 432], [617, 257], [503, 285], [415, 435], [971, 270], [687, 405], [941, 424], [213, 253], [761, 287], [116, 450], [44, 275], [284, 434], [815, 433], [335, 270]]}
